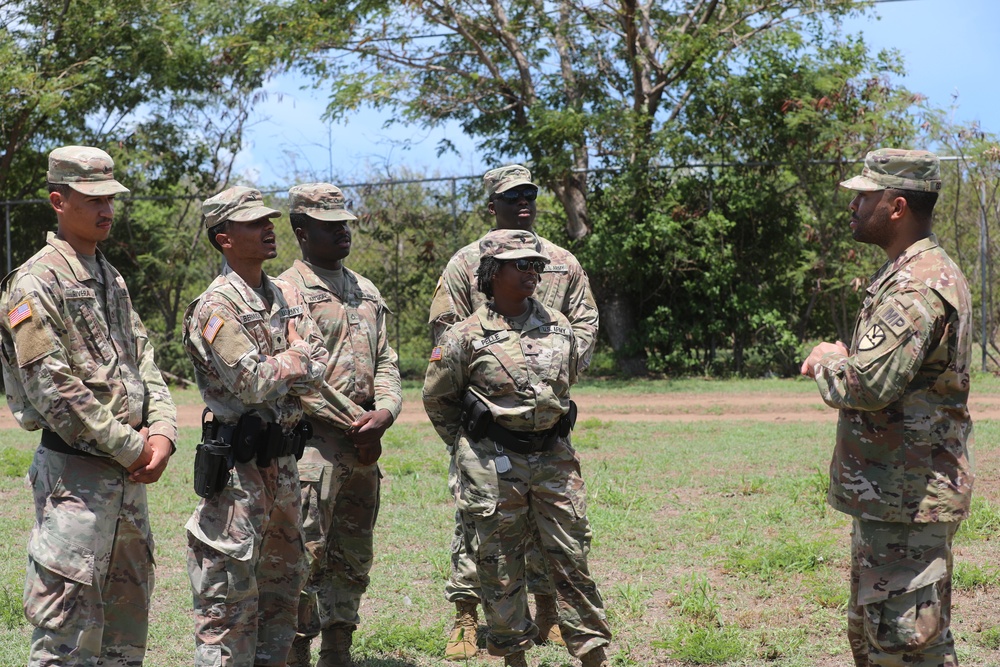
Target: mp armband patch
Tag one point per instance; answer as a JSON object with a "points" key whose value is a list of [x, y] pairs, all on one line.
{"points": [[890, 324]]}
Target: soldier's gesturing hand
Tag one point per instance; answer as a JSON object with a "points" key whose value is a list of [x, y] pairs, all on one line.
{"points": [[809, 365]]}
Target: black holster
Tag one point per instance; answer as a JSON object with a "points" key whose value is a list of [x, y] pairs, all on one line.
{"points": [[568, 421], [476, 416], [213, 460]]}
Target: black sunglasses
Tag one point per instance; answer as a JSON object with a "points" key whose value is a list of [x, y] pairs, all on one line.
{"points": [[529, 265], [511, 196]]}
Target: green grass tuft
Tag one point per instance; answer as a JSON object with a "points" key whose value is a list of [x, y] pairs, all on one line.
{"points": [[983, 522], [696, 600], [989, 639], [14, 462], [11, 609], [388, 637], [703, 645], [972, 576], [791, 553]]}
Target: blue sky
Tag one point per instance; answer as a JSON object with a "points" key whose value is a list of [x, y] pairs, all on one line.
{"points": [[949, 49]]}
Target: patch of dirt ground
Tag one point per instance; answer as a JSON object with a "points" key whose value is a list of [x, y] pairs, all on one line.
{"points": [[682, 407]]}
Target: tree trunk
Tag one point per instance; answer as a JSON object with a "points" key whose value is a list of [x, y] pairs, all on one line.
{"points": [[618, 323]]}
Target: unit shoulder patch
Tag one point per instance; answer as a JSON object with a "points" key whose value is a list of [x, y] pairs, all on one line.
{"points": [[890, 323]]}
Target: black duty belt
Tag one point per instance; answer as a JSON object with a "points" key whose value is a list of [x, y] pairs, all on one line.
{"points": [[51, 440], [523, 442]]}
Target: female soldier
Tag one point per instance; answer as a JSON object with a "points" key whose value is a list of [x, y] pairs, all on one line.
{"points": [[497, 388]]}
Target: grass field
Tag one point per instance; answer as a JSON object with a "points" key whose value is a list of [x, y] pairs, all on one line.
{"points": [[712, 542]]}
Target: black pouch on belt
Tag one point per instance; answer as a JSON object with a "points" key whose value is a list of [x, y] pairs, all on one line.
{"points": [[476, 416]]}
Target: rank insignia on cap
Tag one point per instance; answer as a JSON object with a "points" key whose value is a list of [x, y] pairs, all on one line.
{"points": [[20, 313], [872, 339], [436, 354], [211, 329]]}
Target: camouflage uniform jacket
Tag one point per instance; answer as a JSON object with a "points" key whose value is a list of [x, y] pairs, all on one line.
{"points": [[902, 438], [523, 375], [239, 349], [74, 367], [362, 366], [564, 286]]}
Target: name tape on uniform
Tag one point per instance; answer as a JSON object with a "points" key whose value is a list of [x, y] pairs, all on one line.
{"points": [[79, 293], [317, 298], [251, 317], [489, 340]]}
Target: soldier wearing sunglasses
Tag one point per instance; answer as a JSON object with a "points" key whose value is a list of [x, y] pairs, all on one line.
{"points": [[497, 391], [563, 286]]}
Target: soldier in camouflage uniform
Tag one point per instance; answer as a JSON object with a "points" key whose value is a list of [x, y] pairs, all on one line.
{"points": [[901, 463], [77, 364], [563, 287], [338, 473], [518, 475], [256, 352]]}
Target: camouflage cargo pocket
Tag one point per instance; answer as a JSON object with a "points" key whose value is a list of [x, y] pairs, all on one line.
{"points": [[478, 491], [57, 572], [902, 602]]}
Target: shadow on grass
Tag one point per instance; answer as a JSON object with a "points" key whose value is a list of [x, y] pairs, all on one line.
{"points": [[385, 662]]}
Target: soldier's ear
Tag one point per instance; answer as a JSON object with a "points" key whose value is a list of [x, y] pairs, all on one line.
{"points": [[491, 207], [897, 208], [58, 201]]}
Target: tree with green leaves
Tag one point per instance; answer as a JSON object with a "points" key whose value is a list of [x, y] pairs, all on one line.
{"points": [[166, 87], [602, 98]]}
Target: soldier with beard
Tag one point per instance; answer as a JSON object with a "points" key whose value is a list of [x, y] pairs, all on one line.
{"points": [[901, 463]]}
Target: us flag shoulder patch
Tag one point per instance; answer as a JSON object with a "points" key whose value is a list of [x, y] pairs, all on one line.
{"points": [[211, 329], [436, 354], [20, 313]]}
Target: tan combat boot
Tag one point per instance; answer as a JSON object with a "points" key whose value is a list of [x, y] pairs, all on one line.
{"points": [[547, 620], [462, 642], [299, 655], [594, 658], [335, 649], [515, 660]]}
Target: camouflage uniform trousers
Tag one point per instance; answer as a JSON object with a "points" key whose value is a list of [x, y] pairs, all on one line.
{"points": [[545, 489], [900, 606], [90, 563], [247, 576], [340, 503], [463, 584]]}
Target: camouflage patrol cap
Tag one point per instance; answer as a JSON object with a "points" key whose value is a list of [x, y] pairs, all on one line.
{"points": [[897, 169], [85, 169], [502, 179], [319, 200], [238, 203], [506, 244]]}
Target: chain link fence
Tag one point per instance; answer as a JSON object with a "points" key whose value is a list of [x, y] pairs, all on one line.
{"points": [[408, 229]]}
